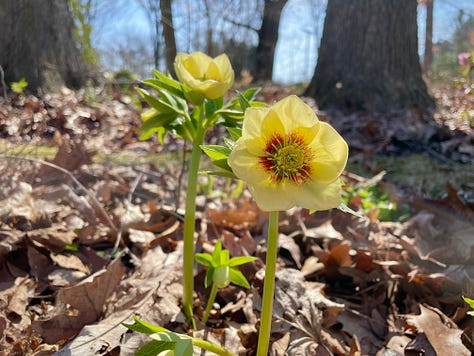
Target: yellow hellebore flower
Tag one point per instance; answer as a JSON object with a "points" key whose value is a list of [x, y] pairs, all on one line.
{"points": [[288, 157], [211, 77]]}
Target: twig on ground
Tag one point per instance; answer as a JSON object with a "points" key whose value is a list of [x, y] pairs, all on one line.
{"points": [[75, 180]]}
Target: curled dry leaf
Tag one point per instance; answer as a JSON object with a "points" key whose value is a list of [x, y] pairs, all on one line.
{"points": [[443, 335]]}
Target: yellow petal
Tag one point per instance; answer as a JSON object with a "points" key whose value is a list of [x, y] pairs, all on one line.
{"points": [[245, 165], [197, 64], [271, 197], [213, 72], [225, 68], [255, 146], [295, 113], [316, 196], [330, 147], [253, 119], [272, 125]]}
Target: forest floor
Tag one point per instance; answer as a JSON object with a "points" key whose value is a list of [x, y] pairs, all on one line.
{"points": [[77, 182]]}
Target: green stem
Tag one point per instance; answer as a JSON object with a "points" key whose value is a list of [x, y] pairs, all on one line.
{"points": [[211, 347], [268, 285], [210, 301], [189, 224]]}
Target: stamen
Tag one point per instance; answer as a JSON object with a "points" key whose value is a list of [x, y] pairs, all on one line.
{"points": [[287, 159]]}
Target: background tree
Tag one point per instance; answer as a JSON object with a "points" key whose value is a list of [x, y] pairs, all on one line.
{"points": [[40, 44], [368, 58], [268, 38], [428, 53], [168, 34]]}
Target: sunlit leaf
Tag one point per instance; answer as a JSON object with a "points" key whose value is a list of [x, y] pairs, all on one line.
{"points": [[240, 260], [238, 278]]}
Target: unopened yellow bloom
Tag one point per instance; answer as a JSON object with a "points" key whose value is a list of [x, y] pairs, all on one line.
{"points": [[289, 158], [211, 77]]}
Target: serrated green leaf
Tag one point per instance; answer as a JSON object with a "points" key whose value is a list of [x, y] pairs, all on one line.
{"points": [[238, 278], [204, 258], [240, 260]]}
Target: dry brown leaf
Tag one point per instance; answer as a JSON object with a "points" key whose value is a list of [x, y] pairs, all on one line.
{"points": [[81, 304], [55, 237], [70, 261], [445, 338]]}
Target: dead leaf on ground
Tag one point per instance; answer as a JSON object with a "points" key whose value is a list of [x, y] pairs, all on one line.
{"points": [[444, 337]]}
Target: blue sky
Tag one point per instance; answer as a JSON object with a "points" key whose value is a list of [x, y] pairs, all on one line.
{"points": [[300, 30]]}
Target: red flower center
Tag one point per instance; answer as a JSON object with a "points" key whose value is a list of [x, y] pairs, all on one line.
{"points": [[287, 159]]}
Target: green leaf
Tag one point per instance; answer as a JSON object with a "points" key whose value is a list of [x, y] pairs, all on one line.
{"points": [[154, 347], [155, 125], [343, 207], [213, 105], [218, 155], [251, 93], [204, 259], [209, 276], [165, 82], [235, 132], [144, 327], [244, 103], [162, 106], [183, 344], [471, 304], [216, 254], [240, 260], [238, 278], [224, 174], [224, 258]]}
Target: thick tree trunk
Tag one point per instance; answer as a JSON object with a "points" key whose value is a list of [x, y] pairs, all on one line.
{"points": [[267, 38], [368, 58], [168, 34], [428, 55], [37, 43]]}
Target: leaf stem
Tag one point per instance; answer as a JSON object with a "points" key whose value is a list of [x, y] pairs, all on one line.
{"points": [[268, 285], [210, 302], [211, 347], [189, 225]]}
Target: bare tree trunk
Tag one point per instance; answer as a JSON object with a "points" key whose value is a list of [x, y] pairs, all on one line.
{"points": [[168, 34], [368, 57], [428, 55], [267, 38], [39, 44]]}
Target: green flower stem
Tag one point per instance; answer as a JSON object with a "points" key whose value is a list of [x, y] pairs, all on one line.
{"points": [[189, 224], [210, 301], [268, 285], [211, 347]]}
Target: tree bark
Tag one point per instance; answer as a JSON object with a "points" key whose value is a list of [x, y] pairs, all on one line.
{"points": [[368, 57], [267, 38], [428, 55], [168, 34], [39, 45]]}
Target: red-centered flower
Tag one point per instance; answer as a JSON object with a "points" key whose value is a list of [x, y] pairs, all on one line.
{"points": [[289, 158]]}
